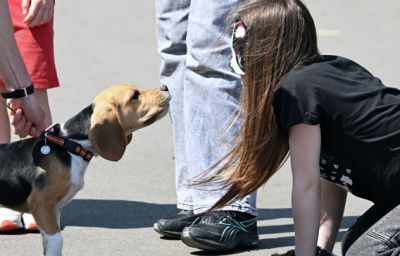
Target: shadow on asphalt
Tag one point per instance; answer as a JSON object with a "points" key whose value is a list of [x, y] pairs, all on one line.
{"points": [[122, 214], [114, 214]]}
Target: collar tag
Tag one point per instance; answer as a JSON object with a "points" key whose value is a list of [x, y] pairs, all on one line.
{"points": [[45, 150]]}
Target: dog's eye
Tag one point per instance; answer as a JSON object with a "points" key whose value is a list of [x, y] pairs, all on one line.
{"points": [[135, 96]]}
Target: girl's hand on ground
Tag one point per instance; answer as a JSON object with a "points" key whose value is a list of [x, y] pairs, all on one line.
{"points": [[37, 12]]}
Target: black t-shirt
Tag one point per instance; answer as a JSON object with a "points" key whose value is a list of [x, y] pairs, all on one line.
{"points": [[359, 119]]}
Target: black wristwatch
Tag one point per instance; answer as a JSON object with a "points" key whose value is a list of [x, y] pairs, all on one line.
{"points": [[18, 93]]}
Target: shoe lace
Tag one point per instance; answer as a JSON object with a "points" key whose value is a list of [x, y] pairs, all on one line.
{"points": [[214, 216], [227, 218]]}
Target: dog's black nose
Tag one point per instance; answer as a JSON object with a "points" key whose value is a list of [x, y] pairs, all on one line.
{"points": [[164, 88]]}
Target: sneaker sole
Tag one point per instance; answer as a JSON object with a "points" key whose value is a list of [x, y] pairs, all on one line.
{"points": [[8, 225], [208, 245], [32, 228], [169, 234], [189, 241]]}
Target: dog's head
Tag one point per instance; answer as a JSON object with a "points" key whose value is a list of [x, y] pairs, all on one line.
{"points": [[121, 109]]}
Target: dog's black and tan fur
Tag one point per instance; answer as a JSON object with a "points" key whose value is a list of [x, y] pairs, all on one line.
{"points": [[42, 184]]}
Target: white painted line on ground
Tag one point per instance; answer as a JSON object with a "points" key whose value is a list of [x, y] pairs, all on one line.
{"points": [[328, 32]]}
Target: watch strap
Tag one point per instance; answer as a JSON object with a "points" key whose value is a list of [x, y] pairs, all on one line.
{"points": [[18, 93]]}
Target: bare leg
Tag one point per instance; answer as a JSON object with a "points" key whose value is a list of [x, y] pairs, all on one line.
{"points": [[9, 219], [43, 99], [5, 136]]}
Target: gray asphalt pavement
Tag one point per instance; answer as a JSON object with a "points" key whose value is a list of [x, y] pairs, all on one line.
{"points": [[99, 43]]}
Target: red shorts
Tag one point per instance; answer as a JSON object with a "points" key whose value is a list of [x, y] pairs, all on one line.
{"points": [[36, 47]]}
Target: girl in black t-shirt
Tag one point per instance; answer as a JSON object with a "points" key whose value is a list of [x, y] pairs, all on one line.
{"points": [[337, 121]]}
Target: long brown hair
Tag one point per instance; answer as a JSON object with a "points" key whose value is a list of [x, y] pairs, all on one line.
{"points": [[280, 34]]}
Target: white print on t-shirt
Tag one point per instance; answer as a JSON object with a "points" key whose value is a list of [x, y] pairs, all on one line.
{"points": [[346, 181], [336, 171]]}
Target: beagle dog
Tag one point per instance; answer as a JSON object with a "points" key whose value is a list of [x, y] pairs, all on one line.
{"points": [[41, 175]]}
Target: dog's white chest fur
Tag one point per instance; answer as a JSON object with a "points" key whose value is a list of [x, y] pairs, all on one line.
{"points": [[78, 169]]}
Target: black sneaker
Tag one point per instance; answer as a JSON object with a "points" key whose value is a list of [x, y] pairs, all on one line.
{"points": [[171, 227], [222, 231]]}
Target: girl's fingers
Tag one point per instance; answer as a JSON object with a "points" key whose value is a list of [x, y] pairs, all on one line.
{"points": [[32, 12], [16, 116], [25, 6], [38, 19], [27, 128], [19, 128], [34, 132]]}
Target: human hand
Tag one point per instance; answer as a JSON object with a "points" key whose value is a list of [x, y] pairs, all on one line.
{"points": [[28, 117], [37, 12]]}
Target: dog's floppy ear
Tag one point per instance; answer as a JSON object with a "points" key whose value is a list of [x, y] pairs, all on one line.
{"points": [[106, 134]]}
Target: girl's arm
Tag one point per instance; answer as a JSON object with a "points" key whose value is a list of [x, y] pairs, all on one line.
{"points": [[333, 200], [305, 144]]}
